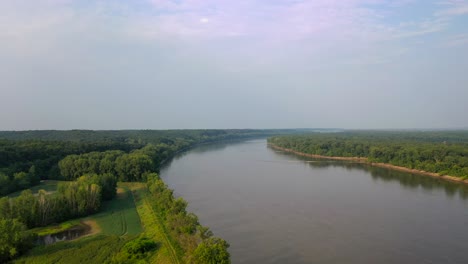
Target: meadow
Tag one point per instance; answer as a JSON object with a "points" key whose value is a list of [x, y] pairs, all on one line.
{"points": [[119, 216], [121, 220], [115, 225]]}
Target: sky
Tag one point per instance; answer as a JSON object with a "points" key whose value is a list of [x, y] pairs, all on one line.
{"points": [[162, 64]]}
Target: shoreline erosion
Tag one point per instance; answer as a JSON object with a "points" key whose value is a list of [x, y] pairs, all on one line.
{"points": [[376, 164]]}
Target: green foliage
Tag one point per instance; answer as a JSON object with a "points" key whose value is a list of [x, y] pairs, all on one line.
{"points": [[74, 166], [107, 182], [133, 166], [72, 199], [50, 186], [18, 181], [40, 157], [54, 229], [134, 250], [126, 167], [91, 250], [81, 152], [195, 240], [14, 239], [439, 152], [212, 251]]}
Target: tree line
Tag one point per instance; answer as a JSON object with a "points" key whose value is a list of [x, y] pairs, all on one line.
{"points": [[125, 167], [26, 157], [196, 241], [24, 163], [71, 200], [445, 153]]}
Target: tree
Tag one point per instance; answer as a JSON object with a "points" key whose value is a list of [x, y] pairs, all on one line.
{"points": [[44, 207], [212, 251], [22, 180], [4, 184], [108, 183], [5, 208], [205, 232], [133, 166], [25, 208], [14, 239]]}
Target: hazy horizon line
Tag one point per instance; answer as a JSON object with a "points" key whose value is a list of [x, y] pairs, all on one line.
{"points": [[288, 128]]}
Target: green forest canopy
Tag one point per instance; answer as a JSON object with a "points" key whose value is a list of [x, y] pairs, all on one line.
{"points": [[443, 152]]}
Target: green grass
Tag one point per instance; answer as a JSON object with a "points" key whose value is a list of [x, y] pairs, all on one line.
{"points": [[49, 186], [152, 226], [91, 250], [118, 223], [120, 220], [116, 217], [49, 230], [119, 216]]}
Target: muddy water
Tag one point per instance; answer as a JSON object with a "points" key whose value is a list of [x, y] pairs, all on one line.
{"points": [[274, 207], [69, 234]]}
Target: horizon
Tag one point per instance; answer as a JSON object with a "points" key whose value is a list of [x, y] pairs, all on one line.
{"points": [[285, 128]]}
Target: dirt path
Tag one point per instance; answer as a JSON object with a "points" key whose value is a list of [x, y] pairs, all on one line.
{"points": [[93, 227]]}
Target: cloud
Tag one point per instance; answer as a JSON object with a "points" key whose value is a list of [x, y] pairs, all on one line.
{"points": [[319, 25], [457, 40], [453, 8], [274, 32], [274, 21]]}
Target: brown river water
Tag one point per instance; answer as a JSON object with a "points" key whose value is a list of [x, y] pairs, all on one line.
{"points": [[274, 207]]}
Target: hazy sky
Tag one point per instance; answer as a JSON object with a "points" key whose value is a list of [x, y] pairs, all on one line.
{"points": [[158, 64]]}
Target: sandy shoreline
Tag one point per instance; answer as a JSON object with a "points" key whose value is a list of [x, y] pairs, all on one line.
{"points": [[376, 164]]}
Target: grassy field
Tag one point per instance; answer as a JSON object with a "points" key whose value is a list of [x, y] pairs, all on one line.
{"points": [[48, 186], [93, 249], [121, 220], [117, 223], [167, 253], [119, 216], [49, 230]]}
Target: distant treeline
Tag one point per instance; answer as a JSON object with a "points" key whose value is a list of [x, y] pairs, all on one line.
{"points": [[26, 157], [25, 163], [441, 152]]}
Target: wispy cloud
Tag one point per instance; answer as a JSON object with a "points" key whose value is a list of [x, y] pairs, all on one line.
{"points": [[453, 8], [288, 20], [457, 40]]}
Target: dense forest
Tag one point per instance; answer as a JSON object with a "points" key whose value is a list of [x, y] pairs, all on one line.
{"points": [[89, 164], [26, 157], [445, 153]]}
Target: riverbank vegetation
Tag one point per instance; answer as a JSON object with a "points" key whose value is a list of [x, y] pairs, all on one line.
{"points": [[137, 221], [444, 153]]}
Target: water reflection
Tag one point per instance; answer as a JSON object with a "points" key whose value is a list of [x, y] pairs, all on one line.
{"points": [[405, 179], [200, 149], [69, 234]]}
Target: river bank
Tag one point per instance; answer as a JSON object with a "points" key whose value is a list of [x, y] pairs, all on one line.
{"points": [[376, 164]]}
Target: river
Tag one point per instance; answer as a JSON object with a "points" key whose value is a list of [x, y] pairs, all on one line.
{"points": [[274, 207]]}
